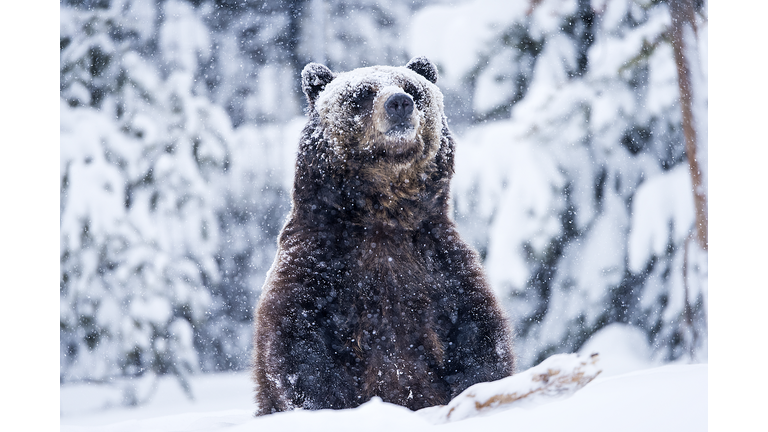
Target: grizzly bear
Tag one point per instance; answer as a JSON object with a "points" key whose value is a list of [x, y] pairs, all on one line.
{"points": [[372, 292]]}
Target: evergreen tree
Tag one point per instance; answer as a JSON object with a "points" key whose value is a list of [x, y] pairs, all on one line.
{"points": [[584, 210], [140, 154]]}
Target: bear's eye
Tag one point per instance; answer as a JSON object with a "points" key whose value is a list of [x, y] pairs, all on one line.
{"points": [[415, 93], [362, 100]]}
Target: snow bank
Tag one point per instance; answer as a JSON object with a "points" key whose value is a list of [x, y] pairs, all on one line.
{"points": [[668, 398], [623, 348]]}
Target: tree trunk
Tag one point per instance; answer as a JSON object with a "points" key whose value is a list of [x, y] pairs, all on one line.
{"points": [[683, 32]]}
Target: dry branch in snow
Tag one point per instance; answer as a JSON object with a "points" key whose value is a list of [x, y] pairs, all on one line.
{"points": [[559, 375]]}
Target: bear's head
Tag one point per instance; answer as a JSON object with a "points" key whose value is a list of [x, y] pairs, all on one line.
{"points": [[377, 135], [380, 111]]}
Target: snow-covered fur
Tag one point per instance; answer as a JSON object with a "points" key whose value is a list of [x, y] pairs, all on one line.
{"points": [[372, 292]]}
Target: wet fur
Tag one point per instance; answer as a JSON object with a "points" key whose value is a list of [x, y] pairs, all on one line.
{"points": [[372, 292]]}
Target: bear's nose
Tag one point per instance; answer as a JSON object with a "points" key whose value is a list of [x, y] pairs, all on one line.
{"points": [[399, 106]]}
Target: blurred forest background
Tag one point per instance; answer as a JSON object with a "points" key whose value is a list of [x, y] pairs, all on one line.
{"points": [[581, 172]]}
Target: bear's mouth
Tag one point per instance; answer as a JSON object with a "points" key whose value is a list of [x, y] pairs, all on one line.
{"points": [[400, 139], [403, 130]]}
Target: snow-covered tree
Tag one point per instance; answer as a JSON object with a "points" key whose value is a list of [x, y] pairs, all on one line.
{"points": [[139, 155], [253, 59], [255, 200], [345, 34], [581, 200]]}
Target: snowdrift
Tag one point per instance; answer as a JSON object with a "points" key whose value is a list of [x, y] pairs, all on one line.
{"points": [[667, 398]]}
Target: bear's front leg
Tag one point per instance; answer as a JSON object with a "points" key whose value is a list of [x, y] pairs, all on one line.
{"points": [[479, 339], [299, 360]]}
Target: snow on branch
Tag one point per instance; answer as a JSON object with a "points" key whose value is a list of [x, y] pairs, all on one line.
{"points": [[662, 209]]}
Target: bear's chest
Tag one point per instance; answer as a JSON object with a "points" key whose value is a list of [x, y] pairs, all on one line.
{"points": [[391, 301]]}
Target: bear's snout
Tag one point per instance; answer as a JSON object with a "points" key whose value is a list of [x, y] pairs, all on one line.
{"points": [[395, 118], [399, 107]]}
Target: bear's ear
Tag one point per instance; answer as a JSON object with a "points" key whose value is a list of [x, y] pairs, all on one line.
{"points": [[314, 78], [423, 67]]}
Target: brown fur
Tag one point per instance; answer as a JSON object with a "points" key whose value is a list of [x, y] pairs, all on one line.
{"points": [[372, 292]]}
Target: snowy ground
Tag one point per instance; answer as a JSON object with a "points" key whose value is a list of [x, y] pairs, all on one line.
{"points": [[631, 394]]}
